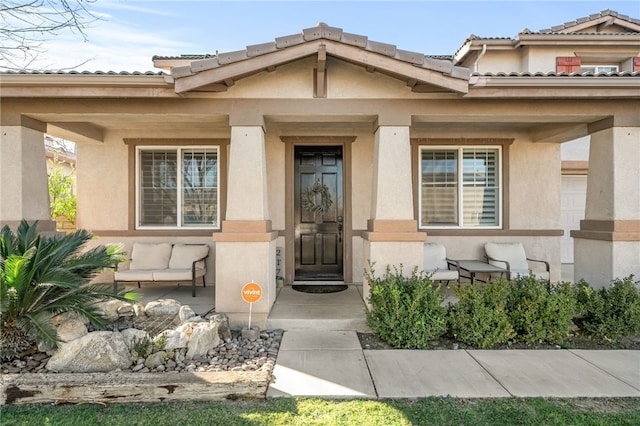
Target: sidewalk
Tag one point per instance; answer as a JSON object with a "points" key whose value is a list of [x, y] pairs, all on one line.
{"points": [[332, 364]]}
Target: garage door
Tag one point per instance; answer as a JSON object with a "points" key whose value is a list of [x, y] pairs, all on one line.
{"points": [[574, 194]]}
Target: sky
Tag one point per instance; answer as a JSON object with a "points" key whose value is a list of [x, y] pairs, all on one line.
{"points": [[130, 32]]}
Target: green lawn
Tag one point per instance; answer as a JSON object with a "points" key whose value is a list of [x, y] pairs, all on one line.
{"points": [[288, 411]]}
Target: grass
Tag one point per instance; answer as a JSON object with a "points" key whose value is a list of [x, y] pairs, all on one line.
{"points": [[289, 411]]}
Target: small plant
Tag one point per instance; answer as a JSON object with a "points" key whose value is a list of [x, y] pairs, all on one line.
{"points": [[142, 348], [406, 311], [539, 313], [480, 317], [611, 313], [41, 277]]}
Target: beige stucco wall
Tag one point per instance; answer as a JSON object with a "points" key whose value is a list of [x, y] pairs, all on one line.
{"points": [[23, 193], [534, 185]]}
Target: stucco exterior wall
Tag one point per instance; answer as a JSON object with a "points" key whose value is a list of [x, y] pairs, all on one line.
{"points": [[534, 185]]}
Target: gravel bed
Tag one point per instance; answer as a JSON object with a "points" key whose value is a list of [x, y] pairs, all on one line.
{"points": [[236, 354]]}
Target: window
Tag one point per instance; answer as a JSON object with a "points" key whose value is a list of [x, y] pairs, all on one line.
{"points": [[177, 187], [599, 68], [460, 187]]}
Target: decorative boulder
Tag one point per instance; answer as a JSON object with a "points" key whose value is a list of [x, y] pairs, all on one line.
{"points": [[173, 339], [111, 308], [162, 307], [71, 329], [97, 352], [186, 313], [155, 359], [204, 337], [133, 335]]}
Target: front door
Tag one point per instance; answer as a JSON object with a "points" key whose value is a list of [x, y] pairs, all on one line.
{"points": [[319, 213]]}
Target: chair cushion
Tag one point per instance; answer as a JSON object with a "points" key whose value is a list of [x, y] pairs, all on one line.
{"points": [[510, 252], [435, 257], [150, 256], [183, 255]]}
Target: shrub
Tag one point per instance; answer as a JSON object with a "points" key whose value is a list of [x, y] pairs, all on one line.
{"points": [[539, 313], [41, 277], [611, 313], [480, 317], [406, 311]]}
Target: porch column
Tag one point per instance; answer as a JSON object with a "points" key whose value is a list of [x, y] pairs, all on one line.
{"points": [[24, 192], [392, 236], [607, 246], [246, 247]]}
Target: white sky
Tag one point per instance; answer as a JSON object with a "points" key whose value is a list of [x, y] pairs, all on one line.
{"points": [[131, 32]]}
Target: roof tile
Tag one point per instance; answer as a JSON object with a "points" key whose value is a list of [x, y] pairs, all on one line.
{"points": [[411, 57], [261, 49], [204, 64], [290, 40], [229, 57], [381, 48], [354, 39]]}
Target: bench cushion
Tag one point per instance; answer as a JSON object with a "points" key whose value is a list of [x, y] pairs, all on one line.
{"points": [[133, 275], [183, 274], [183, 255], [150, 256]]}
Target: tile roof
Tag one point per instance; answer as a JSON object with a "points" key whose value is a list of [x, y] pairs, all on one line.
{"points": [[324, 31], [606, 12], [73, 72], [559, 74]]}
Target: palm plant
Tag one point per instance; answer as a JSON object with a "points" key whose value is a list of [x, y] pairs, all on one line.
{"points": [[41, 277]]}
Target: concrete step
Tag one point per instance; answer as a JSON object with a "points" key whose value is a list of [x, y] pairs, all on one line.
{"points": [[294, 310]]}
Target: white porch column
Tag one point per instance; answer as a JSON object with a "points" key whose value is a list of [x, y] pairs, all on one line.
{"points": [[24, 193], [607, 246], [246, 247], [392, 236]]}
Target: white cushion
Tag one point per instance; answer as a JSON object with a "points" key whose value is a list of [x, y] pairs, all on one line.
{"points": [[183, 255], [510, 252], [150, 256], [447, 275], [133, 275], [176, 274], [435, 257]]}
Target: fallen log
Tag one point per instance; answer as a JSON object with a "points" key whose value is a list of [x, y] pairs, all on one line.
{"points": [[120, 387]]}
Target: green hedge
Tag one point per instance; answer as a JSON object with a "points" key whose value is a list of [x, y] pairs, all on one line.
{"points": [[407, 311], [480, 317], [610, 313]]}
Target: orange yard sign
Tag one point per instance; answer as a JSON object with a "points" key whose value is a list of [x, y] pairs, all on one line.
{"points": [[251, 292]]}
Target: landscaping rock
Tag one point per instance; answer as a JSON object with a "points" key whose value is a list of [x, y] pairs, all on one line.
{"points": [[155, 359], [186, 313], [222, 320], [133, 335], [100, 351], [71, 329], [204, 337], [110, 308], [173, 339], [162, 307]]}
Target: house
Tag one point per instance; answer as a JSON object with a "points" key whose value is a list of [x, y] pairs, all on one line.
{"points": [[337, 151]]}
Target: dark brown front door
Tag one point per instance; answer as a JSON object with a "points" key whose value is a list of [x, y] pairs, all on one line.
{"points": [[318, 213]]}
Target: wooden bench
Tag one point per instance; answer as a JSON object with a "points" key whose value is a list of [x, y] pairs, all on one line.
{"points": [[164, 262]]}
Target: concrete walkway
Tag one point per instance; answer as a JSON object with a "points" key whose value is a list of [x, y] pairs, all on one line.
{"points": [[332, 364]]}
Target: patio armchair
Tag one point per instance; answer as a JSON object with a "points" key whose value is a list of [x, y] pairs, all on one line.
{"points": [[512, 257], [437, 265]]}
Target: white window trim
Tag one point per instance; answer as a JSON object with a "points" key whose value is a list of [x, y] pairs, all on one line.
{"points": [[596, 66], [460, 149], [178, 149]]}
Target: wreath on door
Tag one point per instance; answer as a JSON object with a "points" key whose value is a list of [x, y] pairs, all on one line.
{"points": [[309, 198]]}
